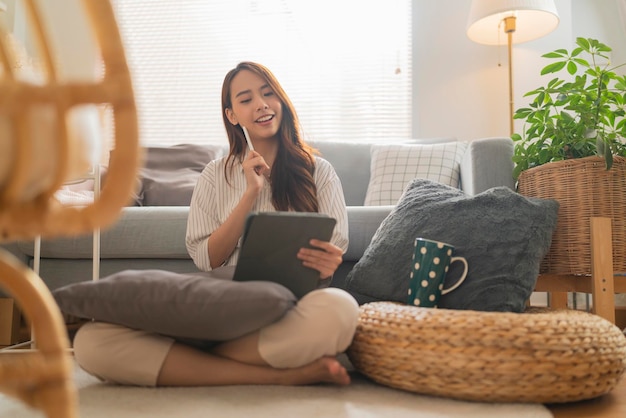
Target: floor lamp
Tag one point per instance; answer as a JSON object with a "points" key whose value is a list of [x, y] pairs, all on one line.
{"points": [[520, 20]]}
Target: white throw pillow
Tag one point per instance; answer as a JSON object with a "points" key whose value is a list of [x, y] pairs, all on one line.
{"points": [[393, 166]]}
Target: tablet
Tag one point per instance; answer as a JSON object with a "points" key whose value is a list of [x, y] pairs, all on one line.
{"points": [[270, 245]]}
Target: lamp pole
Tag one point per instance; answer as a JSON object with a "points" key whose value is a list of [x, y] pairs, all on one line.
{"points": [[529, 19], [509, 28]]}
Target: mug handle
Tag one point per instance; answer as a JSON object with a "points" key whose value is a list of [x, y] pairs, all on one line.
{"points": [[463, 276]]}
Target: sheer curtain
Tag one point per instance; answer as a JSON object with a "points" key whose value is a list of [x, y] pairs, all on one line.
{"points": [[345, 64]]}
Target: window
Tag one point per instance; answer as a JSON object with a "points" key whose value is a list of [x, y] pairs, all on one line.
{"points": [[346, 65]]}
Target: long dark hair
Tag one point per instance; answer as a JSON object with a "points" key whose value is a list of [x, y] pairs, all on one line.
{"points": [[293, 187]]}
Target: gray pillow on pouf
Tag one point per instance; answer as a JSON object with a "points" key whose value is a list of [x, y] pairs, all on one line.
{"points": [[502, 234]]}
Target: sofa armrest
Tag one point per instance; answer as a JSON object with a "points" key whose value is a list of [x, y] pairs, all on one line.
{"points": [[363, 221], [487, 163], [14, 248]]}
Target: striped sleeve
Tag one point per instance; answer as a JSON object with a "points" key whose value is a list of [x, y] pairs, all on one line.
{"points": [[202, 219], [331, 200]]}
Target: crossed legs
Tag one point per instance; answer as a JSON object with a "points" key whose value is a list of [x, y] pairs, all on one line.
{"points": [[298, 349]]}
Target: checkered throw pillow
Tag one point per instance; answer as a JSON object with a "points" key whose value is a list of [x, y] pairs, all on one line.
{"points": [[394, 166]]}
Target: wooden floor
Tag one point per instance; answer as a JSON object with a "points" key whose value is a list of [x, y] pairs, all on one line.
{"points": [[612, 405]]}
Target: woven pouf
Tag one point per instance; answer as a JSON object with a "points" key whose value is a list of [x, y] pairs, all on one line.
{"points": [[539, 356]]}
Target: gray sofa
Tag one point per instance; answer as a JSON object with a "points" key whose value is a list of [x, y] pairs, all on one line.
{"points": [[153, 237]]}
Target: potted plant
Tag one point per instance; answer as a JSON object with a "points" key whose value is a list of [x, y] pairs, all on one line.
{"points": [[572, 149], [577, 117]]}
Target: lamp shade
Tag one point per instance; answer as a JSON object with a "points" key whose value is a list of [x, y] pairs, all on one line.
{"points": [[535, 18]]}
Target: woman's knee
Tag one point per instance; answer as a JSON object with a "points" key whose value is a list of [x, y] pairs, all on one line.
{"points": [[119, 354], [334, 303], [333, 313], [89, 351], [321, 324]]}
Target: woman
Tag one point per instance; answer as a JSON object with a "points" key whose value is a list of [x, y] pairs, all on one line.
{"points": [[281, 173]]}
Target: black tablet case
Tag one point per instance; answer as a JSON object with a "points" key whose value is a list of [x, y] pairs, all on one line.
{"points": [[270, 245]]}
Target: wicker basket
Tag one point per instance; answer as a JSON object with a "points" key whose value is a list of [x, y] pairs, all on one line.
{"points": [[540, 356], [584, 188]]}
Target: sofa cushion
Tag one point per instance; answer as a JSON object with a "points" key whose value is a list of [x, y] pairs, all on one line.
{"points": [[503, 235], [351, 161], [203, 305], [393, 166], [170, 174]]}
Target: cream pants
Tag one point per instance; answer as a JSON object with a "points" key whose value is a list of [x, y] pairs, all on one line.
{"points": [[322, 323]]}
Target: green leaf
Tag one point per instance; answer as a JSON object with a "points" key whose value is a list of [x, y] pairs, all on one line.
{"points": [[581, 61], [610, 117], [553, 68], [541, 98], [572, 67], [557, 53], [522, 113], [554, 83], [584, 43], [566, 117]]}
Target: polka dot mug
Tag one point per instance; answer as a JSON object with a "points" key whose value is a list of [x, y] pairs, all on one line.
{"points": [[431, 261]]}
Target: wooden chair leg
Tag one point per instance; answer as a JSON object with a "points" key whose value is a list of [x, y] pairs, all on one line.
{"points": [[603, 294], [558, 300]]}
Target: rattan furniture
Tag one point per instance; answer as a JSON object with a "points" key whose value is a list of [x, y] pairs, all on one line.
{"points": [[601, 283], [42, 377], [589, 243], [540, 356]]}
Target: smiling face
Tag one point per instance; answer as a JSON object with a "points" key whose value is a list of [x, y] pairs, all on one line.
{"points": [[254, 105]]}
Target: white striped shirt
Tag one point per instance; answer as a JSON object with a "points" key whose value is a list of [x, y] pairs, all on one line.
{"points": [[214, 199]]}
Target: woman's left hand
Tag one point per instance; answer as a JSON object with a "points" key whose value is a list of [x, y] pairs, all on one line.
{"points": [[325, 257]]}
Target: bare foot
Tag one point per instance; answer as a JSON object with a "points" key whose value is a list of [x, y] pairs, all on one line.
{"points": [[323, 370]]}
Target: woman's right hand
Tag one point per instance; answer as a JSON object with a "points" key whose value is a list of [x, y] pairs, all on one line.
{"points": [[223, 240], [255, 169]]}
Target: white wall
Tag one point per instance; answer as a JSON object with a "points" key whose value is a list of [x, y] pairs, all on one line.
{"points": [[459, 87], [601, 20]]}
